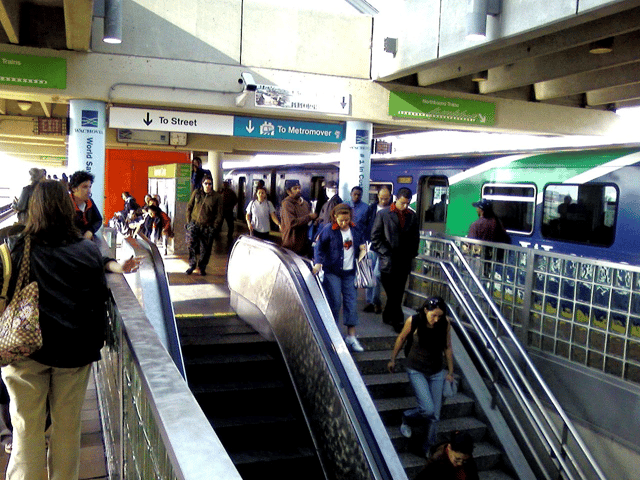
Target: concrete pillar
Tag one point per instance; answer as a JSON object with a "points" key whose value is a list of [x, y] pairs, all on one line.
{"points": [[355, 159], [215, 165], [87, 130]]}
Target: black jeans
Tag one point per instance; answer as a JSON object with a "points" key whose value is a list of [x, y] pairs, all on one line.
{"points": [[393, 283], [200, 240]]}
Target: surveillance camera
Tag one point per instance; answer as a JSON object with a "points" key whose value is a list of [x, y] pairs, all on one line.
{"points": [[249, 82]]}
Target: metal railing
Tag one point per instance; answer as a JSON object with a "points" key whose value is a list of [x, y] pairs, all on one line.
{"points": [[153, 426], [550, 440]]}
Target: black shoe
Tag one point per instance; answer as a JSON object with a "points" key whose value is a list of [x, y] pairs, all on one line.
{"points": [[203, 272], [369, 308], [398, 327], [189, 270]]}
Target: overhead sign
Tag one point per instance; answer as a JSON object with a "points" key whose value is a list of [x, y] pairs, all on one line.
{"points": [[442, 109], [272, 96], [287, 130], [170, 121], [33, 71]]}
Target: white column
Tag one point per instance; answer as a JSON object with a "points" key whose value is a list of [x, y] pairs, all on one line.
{"points": [[87, 130], [215, 165], [355, 159]]}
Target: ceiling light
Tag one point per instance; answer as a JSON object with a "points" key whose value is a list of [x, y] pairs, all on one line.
{"points": [[112, 21], [24, 105], [477, 17], [482, 76], [599, 47]]}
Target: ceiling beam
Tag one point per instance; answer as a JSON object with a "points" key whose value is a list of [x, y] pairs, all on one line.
{"points": [[78, 16], [587, 81], [504, 52], [46, 108], [561, 64], [9, 18], [622, 93]]}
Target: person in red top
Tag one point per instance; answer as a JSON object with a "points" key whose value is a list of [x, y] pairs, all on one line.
{"points": [[395, 236], [295, 216], [488, 227]]}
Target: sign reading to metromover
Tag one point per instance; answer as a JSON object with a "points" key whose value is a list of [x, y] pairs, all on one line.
{"points": [[441, 109]]}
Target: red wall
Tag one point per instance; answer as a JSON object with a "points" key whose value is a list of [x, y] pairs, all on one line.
{"points": [[127, 171]]}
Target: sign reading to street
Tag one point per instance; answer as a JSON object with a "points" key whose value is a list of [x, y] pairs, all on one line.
{"points": [[442, 109], [272, 96], [170, 121], [287, 130], [33, 71]]}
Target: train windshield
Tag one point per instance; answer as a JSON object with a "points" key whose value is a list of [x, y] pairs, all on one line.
{"points": [[580, 213]]}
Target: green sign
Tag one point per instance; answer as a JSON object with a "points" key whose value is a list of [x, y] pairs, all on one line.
{"points": [[441, 109], [32, 71]]}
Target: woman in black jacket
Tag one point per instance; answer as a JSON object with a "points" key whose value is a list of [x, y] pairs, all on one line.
{"points": [[69, 271]]}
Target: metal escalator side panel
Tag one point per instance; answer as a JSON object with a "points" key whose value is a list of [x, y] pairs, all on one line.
{"points": [[268, 287]]}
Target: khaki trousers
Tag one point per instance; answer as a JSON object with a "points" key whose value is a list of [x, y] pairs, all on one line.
{"points": [[30, 385]]}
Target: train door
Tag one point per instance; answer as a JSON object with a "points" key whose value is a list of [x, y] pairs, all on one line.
{"points": [[242, 182], [433, 199], [318, 194]]}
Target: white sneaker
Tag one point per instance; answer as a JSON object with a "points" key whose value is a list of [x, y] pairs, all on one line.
{"points": [[405, 430], [353, 343]]}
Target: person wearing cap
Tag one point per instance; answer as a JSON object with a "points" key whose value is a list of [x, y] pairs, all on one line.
{"points": [[334, 199], [488, 227], [295, 217], [452, 460]]}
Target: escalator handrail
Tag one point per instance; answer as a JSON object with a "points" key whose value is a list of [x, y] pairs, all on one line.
{"points": [[308, 286], [168, 315]]}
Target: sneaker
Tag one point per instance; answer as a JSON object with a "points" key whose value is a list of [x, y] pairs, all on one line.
{"points": [[369, 308], [189, 270], [353, 343], [8, 447], [405, 429]]}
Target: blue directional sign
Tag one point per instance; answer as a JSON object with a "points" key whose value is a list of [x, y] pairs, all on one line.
{"points": [[287, 130]]}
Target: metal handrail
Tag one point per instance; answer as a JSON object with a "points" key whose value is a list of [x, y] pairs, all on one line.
{"points": [[512, 371]]}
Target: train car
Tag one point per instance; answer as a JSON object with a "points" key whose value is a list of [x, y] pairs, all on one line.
{"points": [[583, 202]]}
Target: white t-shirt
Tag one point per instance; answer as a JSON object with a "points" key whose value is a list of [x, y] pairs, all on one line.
{"points": [[349, 256], [260, 214]]}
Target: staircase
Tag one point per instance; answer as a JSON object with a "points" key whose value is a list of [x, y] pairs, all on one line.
{"points": [[392, 394], [243, 387]]}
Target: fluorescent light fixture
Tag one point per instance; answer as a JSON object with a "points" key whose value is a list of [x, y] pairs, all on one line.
{"points": [[24, 105], [482, 76], [602, 46], [112, 21], [477, 17]]}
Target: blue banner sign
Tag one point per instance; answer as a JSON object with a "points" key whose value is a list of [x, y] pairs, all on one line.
{"points": [[278, 129]]}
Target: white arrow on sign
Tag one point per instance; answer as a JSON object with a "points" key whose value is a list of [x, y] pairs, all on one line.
{"points": [[250, 128]]}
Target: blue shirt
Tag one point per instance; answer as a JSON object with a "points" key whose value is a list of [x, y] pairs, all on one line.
{"points": [[360, 216]]}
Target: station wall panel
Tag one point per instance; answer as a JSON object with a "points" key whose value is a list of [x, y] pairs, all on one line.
{"points": [[127, 170]]}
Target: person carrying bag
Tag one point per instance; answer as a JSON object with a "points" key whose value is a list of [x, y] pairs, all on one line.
{"points": [[20, 333]]}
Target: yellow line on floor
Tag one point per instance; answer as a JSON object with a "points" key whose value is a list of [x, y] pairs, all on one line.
{"points": [[197, 315]]}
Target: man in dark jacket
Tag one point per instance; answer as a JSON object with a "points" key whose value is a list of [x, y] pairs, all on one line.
{"points": [[197, 173], [88, 218], [229, 200], [396, 238], [296, 215], [374, 303], [204, 219]]}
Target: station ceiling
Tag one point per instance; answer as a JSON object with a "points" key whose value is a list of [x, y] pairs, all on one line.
{"points": [[555, 65]]}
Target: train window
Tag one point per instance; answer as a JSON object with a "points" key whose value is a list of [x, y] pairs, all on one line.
{"points": [[514, 204], [580, 213], [374, 188]]}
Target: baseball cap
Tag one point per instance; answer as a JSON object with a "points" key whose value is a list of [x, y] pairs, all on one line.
{"points": [[483, 204]]}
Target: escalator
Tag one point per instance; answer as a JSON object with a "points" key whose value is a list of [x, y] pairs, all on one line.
{"points": [[241, 382]]}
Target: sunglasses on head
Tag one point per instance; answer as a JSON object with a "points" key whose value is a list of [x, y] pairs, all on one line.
{"points": [[433, 303]]}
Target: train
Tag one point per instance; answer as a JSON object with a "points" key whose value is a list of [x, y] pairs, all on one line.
{"points": [[572, 201]]}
